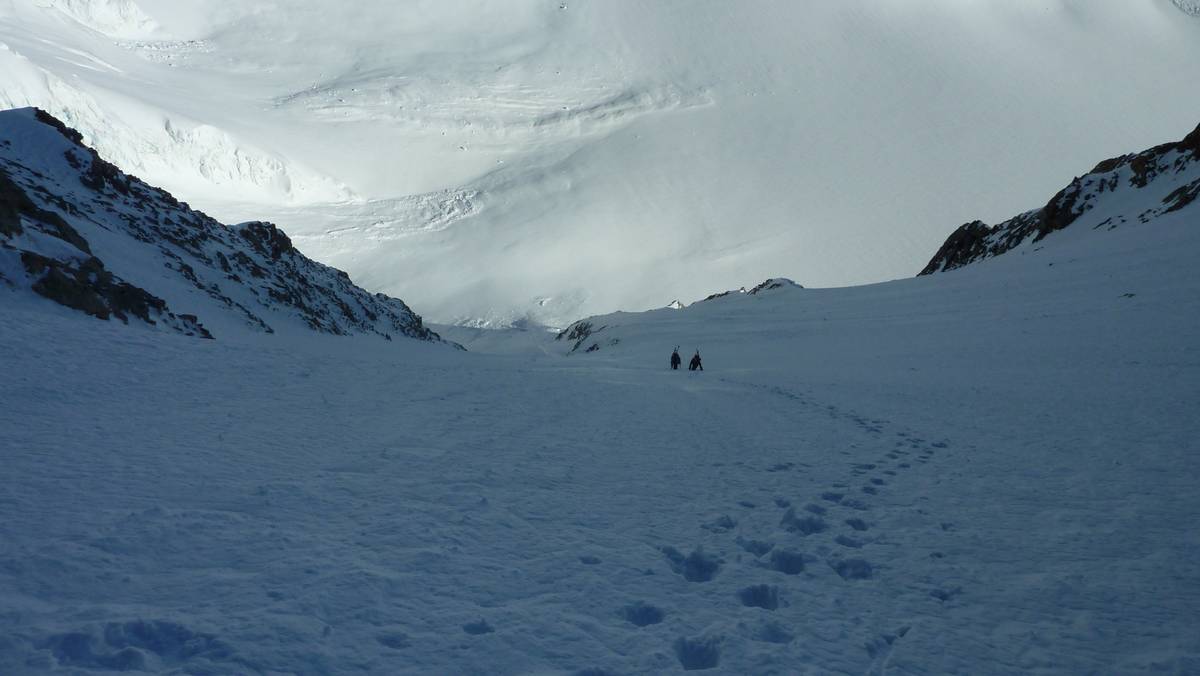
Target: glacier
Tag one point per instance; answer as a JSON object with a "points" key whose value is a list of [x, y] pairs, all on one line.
{"points": [[570, 158]]}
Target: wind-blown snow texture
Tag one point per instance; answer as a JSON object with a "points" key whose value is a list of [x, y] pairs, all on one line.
{"points": [[78, 231], [576, 157], [986, 470]]}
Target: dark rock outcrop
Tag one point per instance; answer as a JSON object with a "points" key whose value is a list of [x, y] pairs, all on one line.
{"points": [[772, 284], [86, 286]]}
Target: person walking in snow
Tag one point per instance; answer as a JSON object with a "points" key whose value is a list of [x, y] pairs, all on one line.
{"points": [[676, 360], [695, 364]]}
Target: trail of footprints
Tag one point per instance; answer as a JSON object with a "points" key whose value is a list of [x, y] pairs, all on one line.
{"points": [[843, 508]]}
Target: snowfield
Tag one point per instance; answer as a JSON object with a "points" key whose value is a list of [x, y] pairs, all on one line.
{"points": [[572, 157], [987, 469], [990, 470]]}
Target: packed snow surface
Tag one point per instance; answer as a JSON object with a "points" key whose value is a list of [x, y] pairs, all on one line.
{"points": [[987, 470], [547, 159]]}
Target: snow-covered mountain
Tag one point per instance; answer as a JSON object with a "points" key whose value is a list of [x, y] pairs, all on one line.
{"points": [[76, 230], [551, 159], [1133, 193], [1127, 191], [990, 470]]}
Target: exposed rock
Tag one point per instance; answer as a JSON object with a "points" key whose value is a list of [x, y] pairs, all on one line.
{"points": [[968, 243], [578, 333], [774, 283], [252, 271], [268, 240], [722, 294], [14, 204], [86, 286]]}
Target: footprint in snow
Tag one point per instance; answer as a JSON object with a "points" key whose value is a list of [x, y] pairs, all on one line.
{"points": [[641, 614], [695, 567], [755, 547], [478, 628], [853, 569], [805, 525], [760, 596], [695, 654], [787, 562]]}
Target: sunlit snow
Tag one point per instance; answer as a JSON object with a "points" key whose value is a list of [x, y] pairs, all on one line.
{"points": [[550, 159]]}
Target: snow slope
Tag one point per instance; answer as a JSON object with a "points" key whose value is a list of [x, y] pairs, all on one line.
{"points": [[551, 159], [989, 470], [76, 230]]}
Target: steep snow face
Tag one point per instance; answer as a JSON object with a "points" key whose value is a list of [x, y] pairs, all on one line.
{"points": [[550, 159], [76, 230]]}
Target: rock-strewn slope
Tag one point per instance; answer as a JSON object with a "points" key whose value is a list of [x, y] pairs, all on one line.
{"points": [[77, 230], [1131, 189]]}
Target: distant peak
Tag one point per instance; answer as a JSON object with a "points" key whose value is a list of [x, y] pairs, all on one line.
{"points": [[774, 283]]}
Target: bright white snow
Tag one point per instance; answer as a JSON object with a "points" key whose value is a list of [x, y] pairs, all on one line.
{"points": [[554, 158], [990, 470]]}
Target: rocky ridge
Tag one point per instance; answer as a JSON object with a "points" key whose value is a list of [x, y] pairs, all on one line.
{"points": [[77, 230], [1135, 188]]}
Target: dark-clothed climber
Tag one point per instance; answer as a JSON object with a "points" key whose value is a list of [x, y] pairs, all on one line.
{"points": [[695, 364], [676, 360]]}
